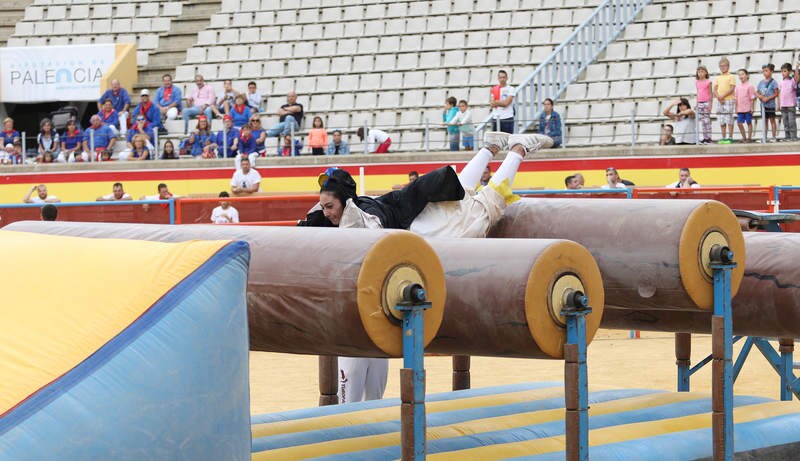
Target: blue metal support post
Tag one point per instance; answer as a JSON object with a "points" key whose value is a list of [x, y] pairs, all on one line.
{"points": [[683, 355], [576, 385], [412, 376], [722, 350]]}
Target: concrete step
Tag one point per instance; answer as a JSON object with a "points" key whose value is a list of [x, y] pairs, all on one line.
{"points": [[11, 12]]}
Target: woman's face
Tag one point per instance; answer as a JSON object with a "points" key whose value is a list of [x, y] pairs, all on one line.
{"points": [[331, 207], [8, 126], [169, 148], [548, 106], [47, 127]]}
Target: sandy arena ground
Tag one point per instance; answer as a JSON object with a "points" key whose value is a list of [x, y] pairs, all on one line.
{"points": [[284, 382]]}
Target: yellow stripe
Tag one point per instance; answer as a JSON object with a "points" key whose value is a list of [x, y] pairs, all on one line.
{"points": [[616, 434], [66, 297], [378, 415], [477, 426]]}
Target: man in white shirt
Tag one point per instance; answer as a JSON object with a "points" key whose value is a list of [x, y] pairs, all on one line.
{"points": [[117, 194], [41, 195], [245, 180], [224, 213], [684, 181], [502, 104], [614, 181]]}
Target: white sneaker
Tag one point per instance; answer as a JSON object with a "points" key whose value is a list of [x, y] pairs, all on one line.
{"points": [[496, 138], [772, 140], [530, 142]]}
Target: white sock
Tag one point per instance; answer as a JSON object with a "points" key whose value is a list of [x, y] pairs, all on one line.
{"points": [[472, 171], [508, 168]]}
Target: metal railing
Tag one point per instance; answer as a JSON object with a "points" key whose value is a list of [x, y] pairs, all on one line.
{"points": [[551, 78]]}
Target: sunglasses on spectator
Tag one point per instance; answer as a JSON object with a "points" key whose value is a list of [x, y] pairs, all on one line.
{"points": [[255, 120], [139, 119]]}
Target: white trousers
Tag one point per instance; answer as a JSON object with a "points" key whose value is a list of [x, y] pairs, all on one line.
{"points": [[362, 378]]}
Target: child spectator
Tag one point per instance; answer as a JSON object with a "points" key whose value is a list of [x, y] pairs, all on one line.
{"points": [[317, 137], [463, 120], [787, 101], [685, 127], [745, 97], [550, 122], [338, 146], [225, 101], [378, 141], [200, 137], [47, 140], [168, 151], [286, 150], [224, 213], [9, 154], [71, 141], [240, 112], [253, 97], [666, 136], [724, 87], [704, 102], [768, 95], [449, 112]]}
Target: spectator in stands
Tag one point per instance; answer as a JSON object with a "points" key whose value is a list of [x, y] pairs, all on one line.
{"points": [[290, 117], [247, 146], [200, 137], [138, 150], [224, 213], [48, 158], [259, 133], [98, 137], [337, 145], [105, 156], [143, 127], [9, 134], [378, 141], [787, 100], [226, 142], [41, 195], [685, 129], [168, 100], [9, 155], [767, 93], [149, 110], [226, 100], [120, 100], [684, 181], [463, 120], [109, 116], [614, 181], [201, 101], [723, 88], [47, 140], [253, 97], [745, 95], [285, 150], [163, 194], [572, 182], [117, 194], [579, 177], [71, 144], [317, 137], [49, 212], [449, 112], [245, 180], [240, 112], [501, 103], [550, 122], [168, 152], [702, 83], [486, 176], [666, 135]]}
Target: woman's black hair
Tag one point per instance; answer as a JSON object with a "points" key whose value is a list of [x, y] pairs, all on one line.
{"points": [[340, 184]]}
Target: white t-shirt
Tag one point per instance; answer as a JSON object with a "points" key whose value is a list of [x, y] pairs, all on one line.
{"points": [[508, 111], [375, 138], [675, 185], [125, 196], [220, 216], [619, 185], [246, 180], [685, 132], [37, 199]]}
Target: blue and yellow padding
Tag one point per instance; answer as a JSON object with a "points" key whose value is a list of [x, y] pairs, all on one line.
{"points": [[525, 422], [123, 350]]}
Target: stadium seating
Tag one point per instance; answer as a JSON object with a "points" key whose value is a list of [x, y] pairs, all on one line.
{"points": [[654, 61], [386, 64]]}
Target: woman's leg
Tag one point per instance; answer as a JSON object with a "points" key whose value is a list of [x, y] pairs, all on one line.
{"points": [[508, 169]]}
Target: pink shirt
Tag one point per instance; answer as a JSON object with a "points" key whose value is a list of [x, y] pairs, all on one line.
{"points": [[788, 89], [703, 90], [203, 96], [745, 92]]}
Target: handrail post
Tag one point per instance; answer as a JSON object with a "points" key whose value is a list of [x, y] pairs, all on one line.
{"points": [[24, 147], [427, 135], [633, 127]]}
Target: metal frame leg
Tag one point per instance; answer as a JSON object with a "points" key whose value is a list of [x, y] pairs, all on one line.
{"points": [[576, 381], [722, 350]]}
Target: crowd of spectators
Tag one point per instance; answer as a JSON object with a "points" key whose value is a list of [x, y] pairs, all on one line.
{"points": [[614, 181]]}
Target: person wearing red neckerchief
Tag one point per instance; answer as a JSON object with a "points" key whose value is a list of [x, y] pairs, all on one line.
{"points": [[109, 116], [9, 134], [240, 112], [148, 109]]}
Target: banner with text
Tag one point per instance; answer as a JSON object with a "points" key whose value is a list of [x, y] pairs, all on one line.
{"points": [[54, 73]]}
